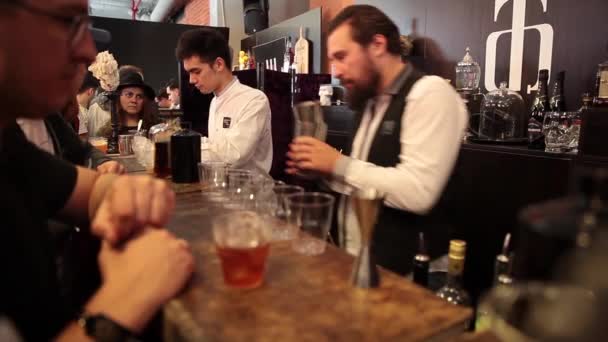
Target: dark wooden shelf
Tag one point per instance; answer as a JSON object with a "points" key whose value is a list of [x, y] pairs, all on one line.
{"points": [[520, 150]]}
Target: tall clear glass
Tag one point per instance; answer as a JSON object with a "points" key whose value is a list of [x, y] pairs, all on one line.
{"points": [[312, 213], [278, 212]]}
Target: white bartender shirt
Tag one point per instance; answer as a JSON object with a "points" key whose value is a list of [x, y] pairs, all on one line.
{"points": [[433, 125], [97, 117], [239, 127]]}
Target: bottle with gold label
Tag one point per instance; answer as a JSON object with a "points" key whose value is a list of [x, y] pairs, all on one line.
{"points": [[601, 86], [302, 51], [502, 277], [452, 291]]}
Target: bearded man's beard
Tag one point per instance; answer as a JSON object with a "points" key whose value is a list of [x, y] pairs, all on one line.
{"points": [[363, 90]]}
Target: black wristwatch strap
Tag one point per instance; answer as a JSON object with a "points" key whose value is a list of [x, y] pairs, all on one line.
{"points": [[103, 329]]}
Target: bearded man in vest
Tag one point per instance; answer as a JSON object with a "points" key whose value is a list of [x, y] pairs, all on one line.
{"points": [[408, 135]]}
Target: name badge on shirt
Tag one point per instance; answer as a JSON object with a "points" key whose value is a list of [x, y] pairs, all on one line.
{"points": [[226, 122], [388, 127]]}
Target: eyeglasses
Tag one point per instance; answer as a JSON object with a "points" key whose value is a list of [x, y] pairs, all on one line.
{"points": [[78, 25], [130, 94]]}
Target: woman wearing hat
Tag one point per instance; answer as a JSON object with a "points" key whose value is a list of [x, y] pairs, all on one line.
{"points": [[135, 102]]}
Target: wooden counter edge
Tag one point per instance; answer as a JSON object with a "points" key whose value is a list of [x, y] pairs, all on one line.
{"points": [[178, 325], [186, 330]]}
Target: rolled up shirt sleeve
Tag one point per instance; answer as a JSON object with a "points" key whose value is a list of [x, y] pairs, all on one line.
{"points": [[433, 125]]}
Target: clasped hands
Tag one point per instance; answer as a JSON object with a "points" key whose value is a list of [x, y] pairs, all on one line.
{"points": [[130, 205], [142, 265]]}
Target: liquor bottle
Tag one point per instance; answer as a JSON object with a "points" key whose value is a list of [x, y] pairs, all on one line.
{"points": [[601, 86], [502, 277], [302, 53], [592, 227], [536, 138], [587, 102], [251, 60], [575, 127], [558, 102], [421, 263], [290, 51], [452, 291], [594, 217], [502, 264], [287, 56], [293, 80]]}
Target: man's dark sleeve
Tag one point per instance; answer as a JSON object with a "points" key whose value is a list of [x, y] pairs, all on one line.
{"points": [[35, 186], [97, 157], [70, 147], [42, 175]]}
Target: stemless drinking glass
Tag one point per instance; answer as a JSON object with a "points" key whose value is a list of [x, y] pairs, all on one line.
{"points": [[279, 212], [557, 128], [139, 141], [212, 175], [262, 194], [99, 143], [570, 124], [575, 131], [239, 181], [240, 189], [125, 144], [147, 155], [242, 244], [311, 213]]}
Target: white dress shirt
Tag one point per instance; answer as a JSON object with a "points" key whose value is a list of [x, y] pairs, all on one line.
{"points": [[239, 127], [36, 132], [83, 119], [97, 118], [432, 127]]}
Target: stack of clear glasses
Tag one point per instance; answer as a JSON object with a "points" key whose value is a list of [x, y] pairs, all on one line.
{"points": [[289, 211]]}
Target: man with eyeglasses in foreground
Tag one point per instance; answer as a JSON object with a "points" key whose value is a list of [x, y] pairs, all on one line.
{"points": [[142, 267]]}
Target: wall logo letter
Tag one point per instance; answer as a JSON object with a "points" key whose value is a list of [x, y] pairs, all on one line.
{"points": [[517, 31]]}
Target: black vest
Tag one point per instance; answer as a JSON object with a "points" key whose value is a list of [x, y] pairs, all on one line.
{"points": [[395, 239]]}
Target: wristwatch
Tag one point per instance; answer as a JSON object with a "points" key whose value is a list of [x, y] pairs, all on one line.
{"points": [[103, 329]]}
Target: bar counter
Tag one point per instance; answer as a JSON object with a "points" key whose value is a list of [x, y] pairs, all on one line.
{"points": [[303, 298]]}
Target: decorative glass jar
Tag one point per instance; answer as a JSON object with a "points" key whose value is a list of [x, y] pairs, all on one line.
{"points": [[503, 116], [468, 74]]}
